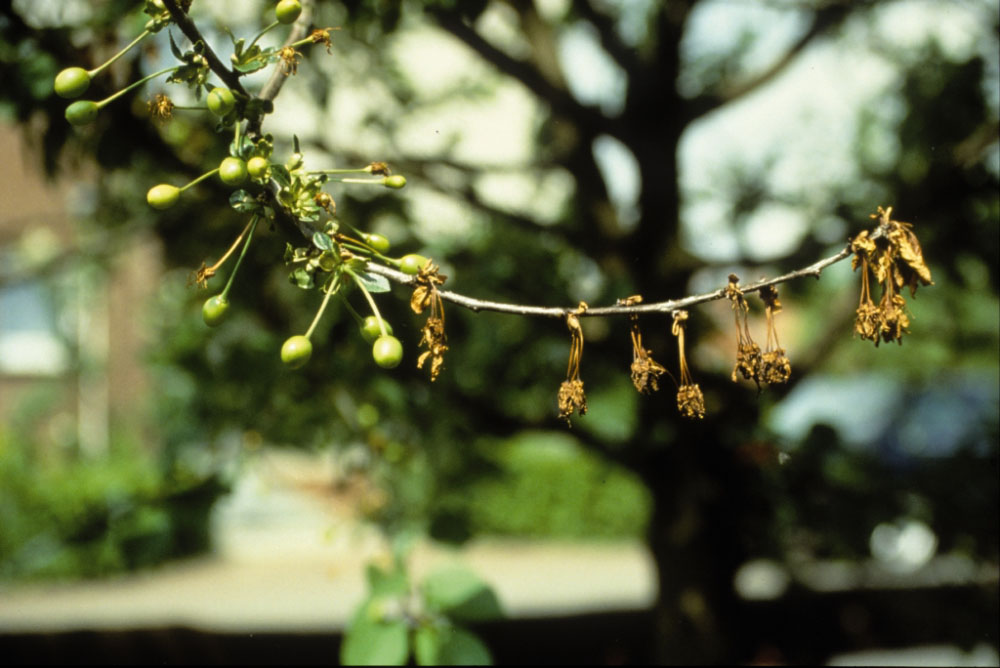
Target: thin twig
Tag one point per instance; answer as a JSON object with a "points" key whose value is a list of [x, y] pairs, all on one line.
{"points": [[190, 30], [299, 30], [667, 306]]}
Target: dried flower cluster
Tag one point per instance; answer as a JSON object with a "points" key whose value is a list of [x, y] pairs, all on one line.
{"points": [[645, 370], [161, 108], [571, 394], [322, 36], [425, 295], [775, 365], [690, 401], [893, 255], [290, 57], [748, 356]]}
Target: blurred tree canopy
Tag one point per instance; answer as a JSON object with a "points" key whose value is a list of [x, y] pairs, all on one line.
{"points": [[551, 221]]}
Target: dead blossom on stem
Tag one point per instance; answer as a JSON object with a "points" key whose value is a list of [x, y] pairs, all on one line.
{"points": [[775, 367], [161, 108], [571, 395], [645, 370], [748, 356], [425, 295], [896, 260], [690, 401]]}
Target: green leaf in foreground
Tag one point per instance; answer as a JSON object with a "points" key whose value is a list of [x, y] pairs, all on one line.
{"points": [[449, 646], [461, 595], [375, 643]]}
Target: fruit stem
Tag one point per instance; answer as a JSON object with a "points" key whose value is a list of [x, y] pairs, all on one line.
{"points": [[371, 302], [199, 179], [232, 248], [138, 83], [352, 170], [357, 316], [239, 260], [97, 70], [322, 307], [262, 33], [371, 182]]}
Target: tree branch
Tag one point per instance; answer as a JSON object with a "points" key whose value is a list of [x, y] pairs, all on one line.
{"points": [[667, 306], [824, 20], [190, 30], [299, 30], [560, 100]]}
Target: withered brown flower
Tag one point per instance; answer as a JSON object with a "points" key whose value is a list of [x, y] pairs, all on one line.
{"points": [[894, 256], [324, 200], [748, 356], [161, 108], [290, 57], [775, 365], [645, 370], [322, 36], [571, 395], [425, 295], [690, 401]]}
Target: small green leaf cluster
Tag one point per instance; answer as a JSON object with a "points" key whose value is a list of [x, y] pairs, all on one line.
{"points": [[394, 623], [193, 69]]}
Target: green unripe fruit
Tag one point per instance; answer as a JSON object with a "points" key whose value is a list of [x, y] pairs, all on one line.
{"points": [[72, 82], [82, 112], [296, 351], [233, 171], [287, 11], [371, 331], [163, 196], [214, 310], [412, 264], [378, 242], [220, 101], [394, 181], [388, 352], [294, 162], [257, 167]]}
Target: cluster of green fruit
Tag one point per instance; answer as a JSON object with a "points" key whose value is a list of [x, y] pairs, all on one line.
{"points": [[336, 259]]}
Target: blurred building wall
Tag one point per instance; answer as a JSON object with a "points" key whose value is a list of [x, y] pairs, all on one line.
{"points": [[71, 335]]}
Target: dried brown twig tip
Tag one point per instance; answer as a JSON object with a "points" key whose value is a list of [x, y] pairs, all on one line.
{"points": [[690, 401], [775, 365], [379, 169], [645, 370], [426, 294], [571, 395], [896, 260], [748, 357]]}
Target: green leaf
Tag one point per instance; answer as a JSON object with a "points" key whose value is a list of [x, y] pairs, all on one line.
{"points": [[243, 201], [244, 150], [322, 241], [460, 594], [373, 282], [389, 582], [301, 278], [174, 49], [375, 643], [449, 646], [280, 174]]}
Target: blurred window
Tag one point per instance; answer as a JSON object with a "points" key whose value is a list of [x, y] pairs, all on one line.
{"points": [[29, 342]]}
